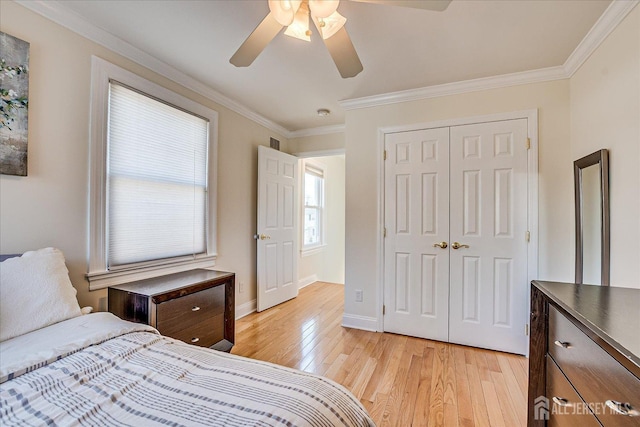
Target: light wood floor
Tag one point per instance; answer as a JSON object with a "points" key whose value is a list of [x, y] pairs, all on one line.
{"points": [[402, 381]]}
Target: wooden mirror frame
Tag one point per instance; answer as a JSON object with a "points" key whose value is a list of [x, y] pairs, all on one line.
{"points": [[600, 158]]}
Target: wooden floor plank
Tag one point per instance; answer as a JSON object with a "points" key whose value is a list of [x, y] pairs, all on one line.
{"points": [[409, 396], [436, 402], [402, 381], [493, 406], [423, 394], [465, 408]]}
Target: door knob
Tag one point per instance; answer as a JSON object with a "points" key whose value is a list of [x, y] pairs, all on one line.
{"points": [[441, 245], [261, 236], [456, 245]]}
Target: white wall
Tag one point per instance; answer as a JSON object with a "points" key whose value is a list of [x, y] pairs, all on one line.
{"points": [[333, 262], [49, 207], [605, 113], [362, 177], [317, 143]]}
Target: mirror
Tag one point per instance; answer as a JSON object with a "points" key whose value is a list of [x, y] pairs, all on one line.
{"points": [[591, 178]]}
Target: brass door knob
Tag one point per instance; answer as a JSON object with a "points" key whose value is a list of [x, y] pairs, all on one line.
{"points": [[456, 245], [441, 245], [261, 236]]}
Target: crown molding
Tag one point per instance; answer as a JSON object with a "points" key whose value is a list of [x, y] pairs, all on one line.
{"points": [[58, 13], [612, 16], [484, 83], [322, 130], [610, 19]]}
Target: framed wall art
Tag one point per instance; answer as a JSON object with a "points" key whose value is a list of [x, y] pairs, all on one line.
{"points": [[14, 104]]}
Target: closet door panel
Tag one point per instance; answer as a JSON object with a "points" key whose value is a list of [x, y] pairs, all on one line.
{"points": [[488, 218], [416, 274]]}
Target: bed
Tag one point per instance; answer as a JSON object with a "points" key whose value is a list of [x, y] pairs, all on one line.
{"points": [[96, 369]]}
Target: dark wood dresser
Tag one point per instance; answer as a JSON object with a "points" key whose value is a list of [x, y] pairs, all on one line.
{"points": [[197, 306], [584, 355]]}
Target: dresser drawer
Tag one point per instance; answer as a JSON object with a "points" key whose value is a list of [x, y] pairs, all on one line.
{"points": [[175, 315], [593, 372], [566, 408]]}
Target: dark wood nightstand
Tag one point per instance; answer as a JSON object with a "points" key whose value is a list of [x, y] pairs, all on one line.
{"points": [[196, 306]]}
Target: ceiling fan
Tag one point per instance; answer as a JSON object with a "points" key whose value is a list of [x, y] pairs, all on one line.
{"points": [[295, 15]]}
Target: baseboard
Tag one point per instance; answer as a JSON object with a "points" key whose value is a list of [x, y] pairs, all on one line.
{"points": [[306, 281], [246, 308], [360, 322]]}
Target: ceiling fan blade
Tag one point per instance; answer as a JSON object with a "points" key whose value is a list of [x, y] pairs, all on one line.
{"points": [[436, 5], [256, 42], [344, 54]]}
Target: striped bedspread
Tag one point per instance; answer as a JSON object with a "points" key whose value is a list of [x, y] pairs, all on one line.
{"points": [[141, 379]]}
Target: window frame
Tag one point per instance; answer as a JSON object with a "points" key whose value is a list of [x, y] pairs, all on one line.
{"points": [[99, 275], [317, 169]]}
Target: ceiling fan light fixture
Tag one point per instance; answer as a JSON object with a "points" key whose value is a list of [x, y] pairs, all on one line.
{"points": [[299, 28], [284, 11], [323, 8], [327, 27]]}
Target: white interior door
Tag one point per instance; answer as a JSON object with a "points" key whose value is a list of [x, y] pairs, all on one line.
{"points": [[277, 235], [417, 218], [488, 292], [466, 187]]}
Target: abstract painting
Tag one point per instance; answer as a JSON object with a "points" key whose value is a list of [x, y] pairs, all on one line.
{"points": [[14, 104]]}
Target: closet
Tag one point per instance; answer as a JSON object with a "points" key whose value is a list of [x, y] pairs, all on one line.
{"points": [[455, 250]]}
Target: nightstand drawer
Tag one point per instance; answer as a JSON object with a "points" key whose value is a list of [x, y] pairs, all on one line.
{"points": [[593, 372], [566, 408], [203, 334], [177, 314]]}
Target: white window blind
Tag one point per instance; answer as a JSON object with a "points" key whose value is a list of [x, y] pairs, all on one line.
{"points": [[156, 179]]}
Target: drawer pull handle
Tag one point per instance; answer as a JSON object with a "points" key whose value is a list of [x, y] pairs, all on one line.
{"points": [[194, 340], [622, 408], [560, 401], [195, 308], [562, 344]]}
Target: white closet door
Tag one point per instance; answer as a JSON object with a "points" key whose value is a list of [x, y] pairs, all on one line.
{"points": [[416, 273], [488, 291]]}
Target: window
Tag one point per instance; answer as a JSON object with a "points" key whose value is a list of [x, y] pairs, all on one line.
{"points": [[152, 191], [313, 205]]}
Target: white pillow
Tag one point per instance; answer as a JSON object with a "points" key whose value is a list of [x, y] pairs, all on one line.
{"points": [[35, 291]]}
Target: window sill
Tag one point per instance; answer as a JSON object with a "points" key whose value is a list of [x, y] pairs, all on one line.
{"points": [[101, 280], [312, 250]]}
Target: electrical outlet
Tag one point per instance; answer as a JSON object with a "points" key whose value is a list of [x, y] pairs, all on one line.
{"points": [[358, 295], [241, 287]]}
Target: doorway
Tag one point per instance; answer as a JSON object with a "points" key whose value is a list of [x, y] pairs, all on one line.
{"points": [[322, 213]]}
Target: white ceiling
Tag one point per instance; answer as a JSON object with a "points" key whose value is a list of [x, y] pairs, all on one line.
{"points": [[400, 48]]}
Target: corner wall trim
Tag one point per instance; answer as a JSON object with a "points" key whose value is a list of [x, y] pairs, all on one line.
{"points": [[246, 309], [607, 22], [360, 322], [306, 281]]}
